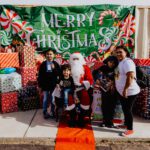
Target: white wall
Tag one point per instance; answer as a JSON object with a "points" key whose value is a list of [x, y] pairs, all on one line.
{"points": [[74, 2]]}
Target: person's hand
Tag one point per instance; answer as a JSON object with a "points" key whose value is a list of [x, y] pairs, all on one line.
{"points": [[52, 65], [124, 93], [57, 85], [39, 90], [97, 82]]}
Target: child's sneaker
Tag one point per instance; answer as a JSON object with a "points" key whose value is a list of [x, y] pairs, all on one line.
{"points": [[127, 133], [66, 108]]}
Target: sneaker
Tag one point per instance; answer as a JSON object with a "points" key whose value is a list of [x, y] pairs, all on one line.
{"points": [[127, 133], [110, 126], [78, 109], [102, 124]]}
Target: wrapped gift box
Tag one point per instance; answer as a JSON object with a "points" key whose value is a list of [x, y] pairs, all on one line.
{"points": [[142, 103], [8, 102], [9, 60], [26, 54], [142, 62], [28, 76], [10, 82], [30, 91], [146, 69], [28, 98]]}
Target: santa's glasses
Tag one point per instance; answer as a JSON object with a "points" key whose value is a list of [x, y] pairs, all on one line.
{"points": [[75, 58]]}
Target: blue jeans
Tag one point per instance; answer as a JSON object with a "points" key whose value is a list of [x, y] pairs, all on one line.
{"points": [[47, 96], [66, 93]]}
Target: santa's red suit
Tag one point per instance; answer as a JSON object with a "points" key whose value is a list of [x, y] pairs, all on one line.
{"points": [[83, 80]]}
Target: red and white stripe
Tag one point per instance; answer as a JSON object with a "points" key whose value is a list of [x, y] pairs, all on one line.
{"points": [[10, 20], [105, 13]]}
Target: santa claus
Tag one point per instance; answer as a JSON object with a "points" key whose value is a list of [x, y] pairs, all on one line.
{"points": [[83, 80]]}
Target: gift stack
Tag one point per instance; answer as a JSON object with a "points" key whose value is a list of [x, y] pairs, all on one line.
{"points": [[28, 98], [10, 81], [142, 104]]}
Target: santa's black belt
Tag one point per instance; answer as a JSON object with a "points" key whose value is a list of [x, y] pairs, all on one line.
{"points": [[79, 86]]}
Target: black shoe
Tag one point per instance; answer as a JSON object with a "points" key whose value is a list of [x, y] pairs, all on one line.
{"points": [[46, 115], [78, 110], [81, 125], [110, 126], [102, 124], [52, 116], [71, 124]]}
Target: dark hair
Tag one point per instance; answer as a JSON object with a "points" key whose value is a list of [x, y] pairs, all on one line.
{"points": [[124, 48], [49, 50], [66, 66], [113, 59]]}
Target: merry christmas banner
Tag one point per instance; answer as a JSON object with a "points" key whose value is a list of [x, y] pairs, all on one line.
{"points": [[88, 29]]}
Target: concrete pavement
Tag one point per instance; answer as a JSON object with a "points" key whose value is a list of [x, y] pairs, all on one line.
{"points": [[31, 124], [28, 131]]}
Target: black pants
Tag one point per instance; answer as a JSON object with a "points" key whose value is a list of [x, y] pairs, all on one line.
{"points": [[127, 105], [109, 101]]}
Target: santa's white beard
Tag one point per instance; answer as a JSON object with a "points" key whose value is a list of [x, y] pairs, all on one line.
{"points": [[77, 71]]}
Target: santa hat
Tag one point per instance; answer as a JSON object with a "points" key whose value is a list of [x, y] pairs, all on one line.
{"points": [[77, 55]]}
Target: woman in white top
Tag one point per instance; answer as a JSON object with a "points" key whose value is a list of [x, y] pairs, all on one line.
{"points": [[126, 86]]}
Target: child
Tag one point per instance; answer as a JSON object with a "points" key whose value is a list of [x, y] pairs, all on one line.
{"points": [[104, 77], [66, 84], [48, 76]]}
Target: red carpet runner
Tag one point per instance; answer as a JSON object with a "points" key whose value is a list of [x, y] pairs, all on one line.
{"points": [[74, 138]]}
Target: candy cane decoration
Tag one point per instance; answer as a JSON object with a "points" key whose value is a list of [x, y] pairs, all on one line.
{"points": [[105, 13], [26, 28], [104, 47], [61, 61], [58, 56], [90, 60], [5, 38], [128, 26], [10, 21]]}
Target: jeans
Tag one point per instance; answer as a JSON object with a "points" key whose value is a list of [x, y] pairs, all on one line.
{"points": [[66, 95], [47, 96]]}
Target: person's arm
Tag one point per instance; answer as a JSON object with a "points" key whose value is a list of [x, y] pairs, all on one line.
{"points": [[57, 71], [129, 79], [40, 75]]}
